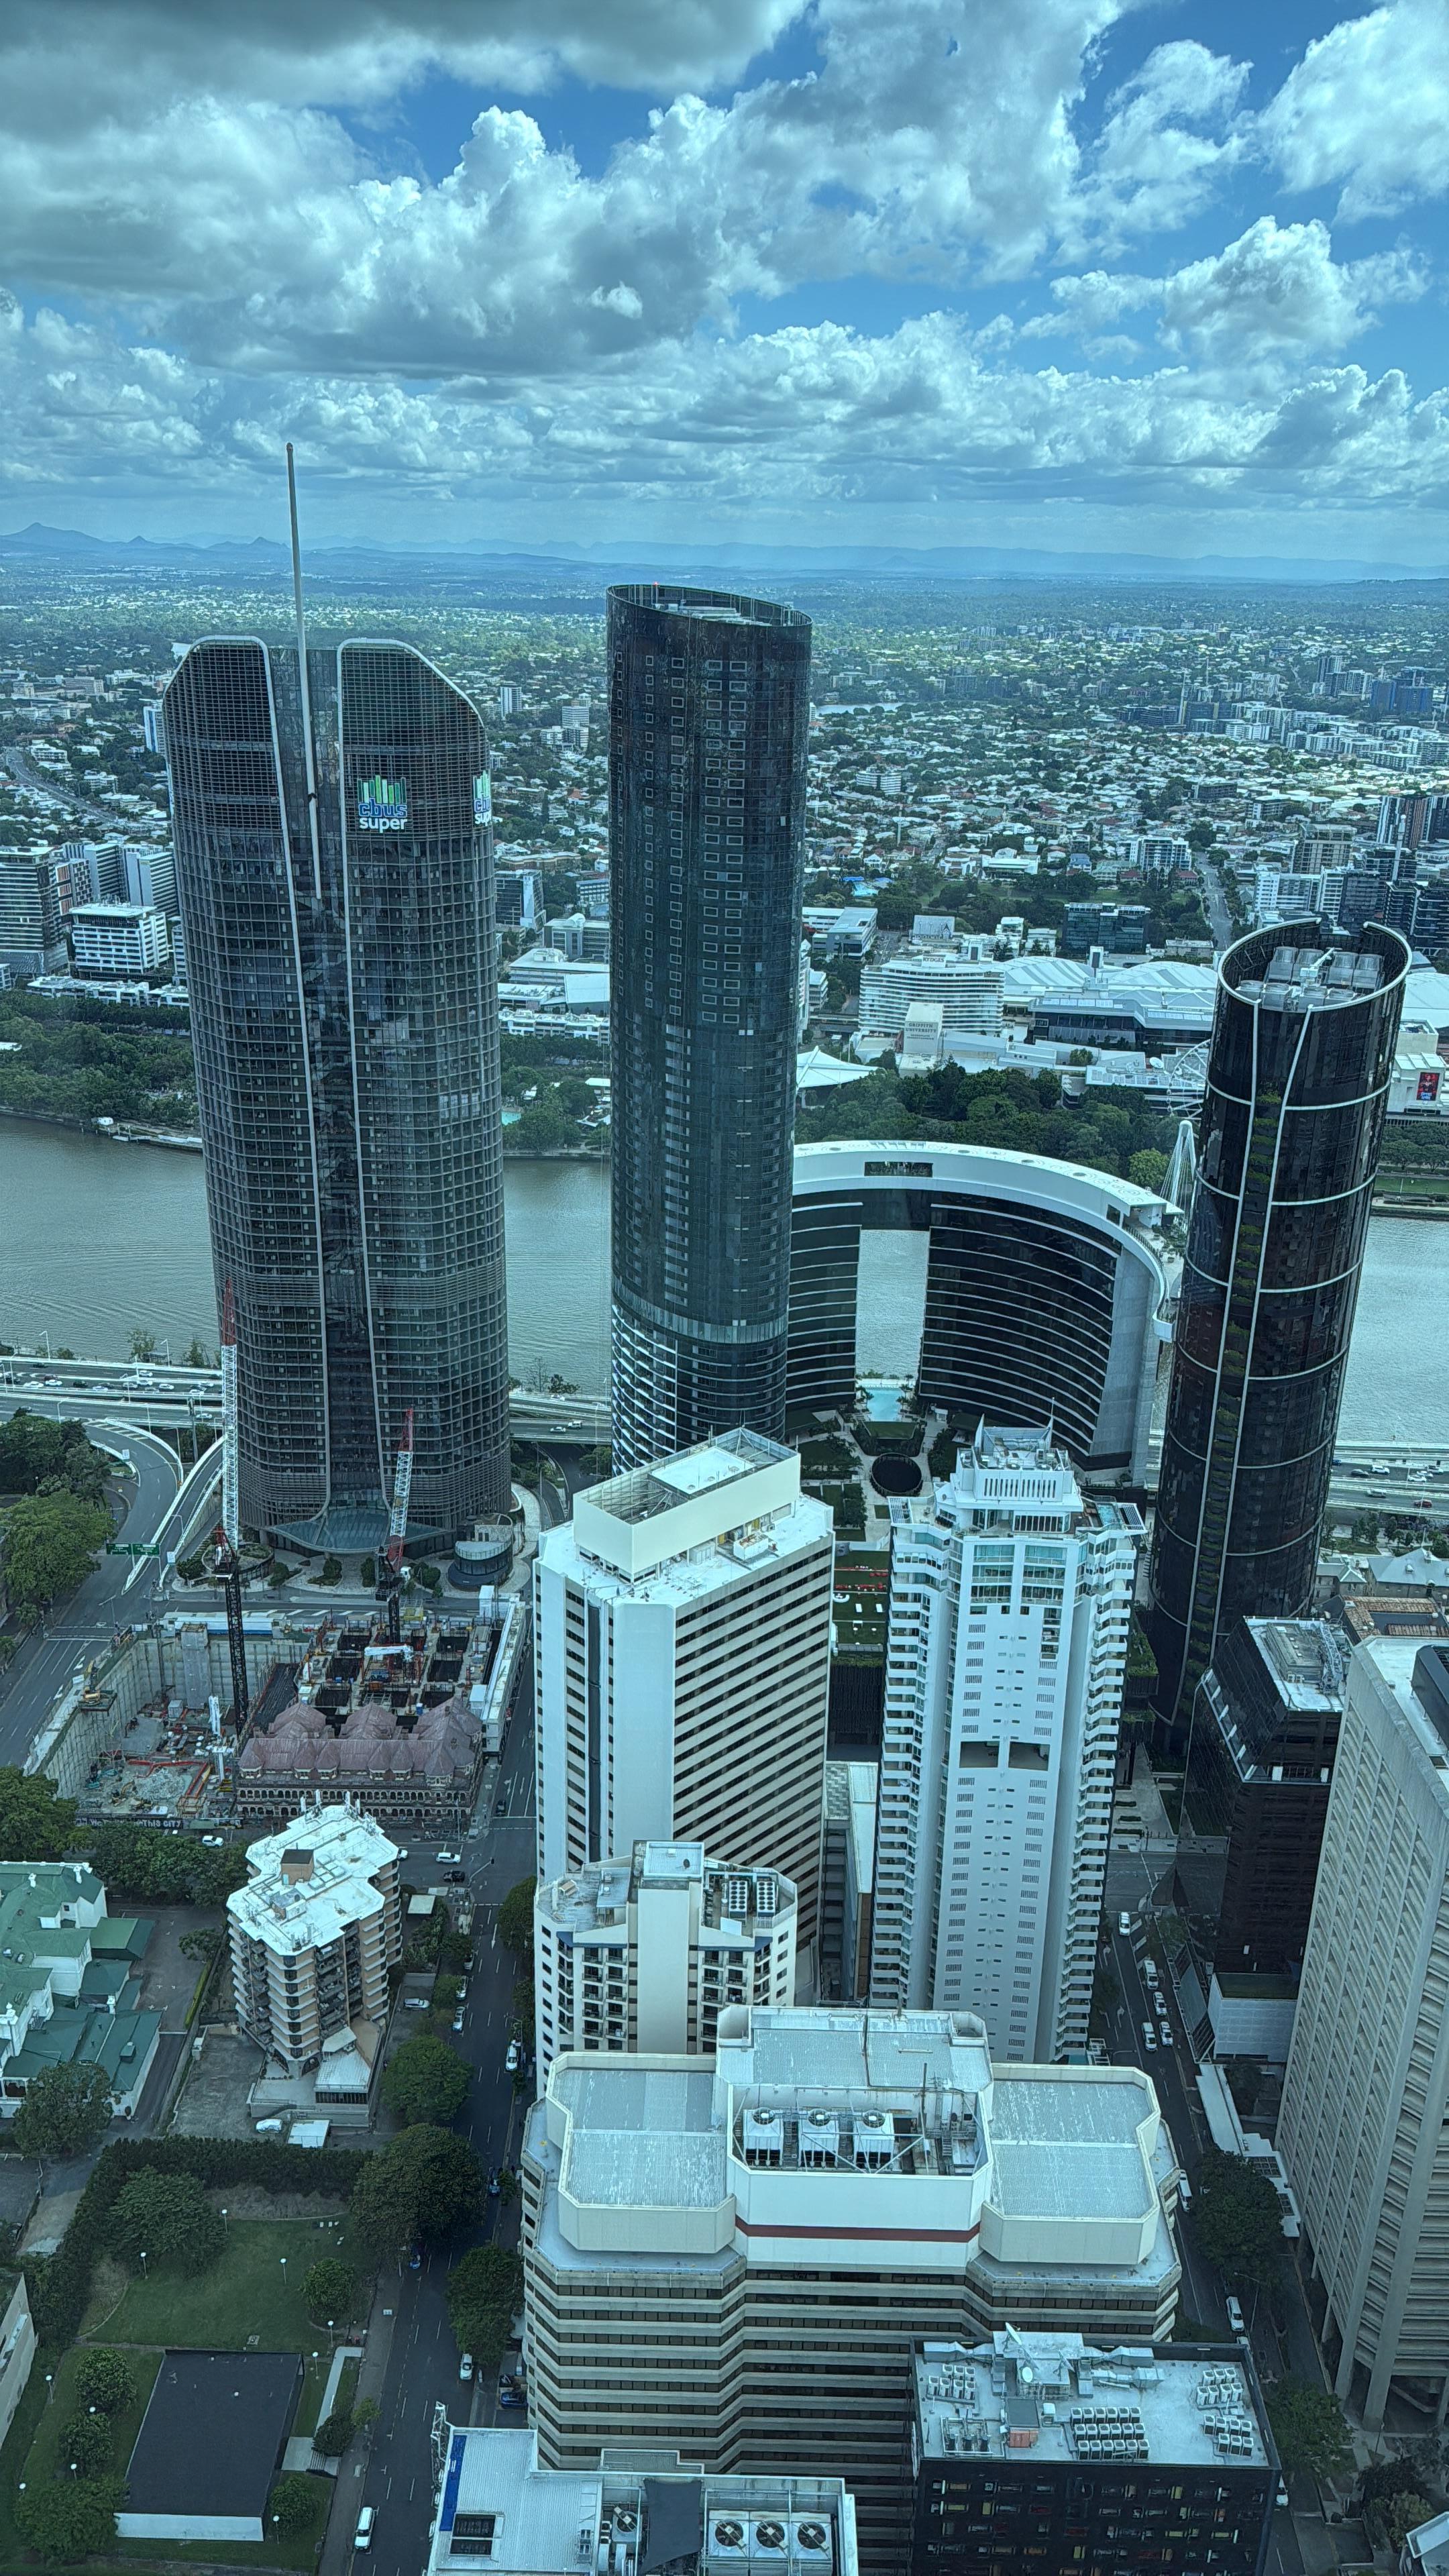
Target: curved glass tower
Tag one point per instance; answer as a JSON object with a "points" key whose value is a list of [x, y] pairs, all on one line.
{"points": [[1298, 1072], [344, 1010], [708, 720]]}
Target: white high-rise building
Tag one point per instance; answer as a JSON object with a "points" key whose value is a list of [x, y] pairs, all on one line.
{"points": [[1011, 1601], [682, 1665], [963, 977], [1364, 2128], [647, 1952], [737, 2257], [313, 1934]]}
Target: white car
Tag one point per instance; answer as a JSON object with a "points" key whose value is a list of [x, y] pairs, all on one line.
{"points": [[1235, 2317], [465, 2366], [362, 2536], [1165, 2028], [457, 2021], [511, 2061], [1149, 2035], [1124, 1924]]}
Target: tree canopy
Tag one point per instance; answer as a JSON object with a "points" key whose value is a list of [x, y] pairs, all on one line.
{"points": [[1309, 2428], [515, 1919], [1237, 2218], [166, 1869], [426, 2080], [36, 1454], [52, 1541], [330, 2291], [105, 2380], [34, 1823], [291, 2503], [66, 2110], [424, 2187], [483, 2292], [168, 2218], [68, 2518], [1020, 1111]]}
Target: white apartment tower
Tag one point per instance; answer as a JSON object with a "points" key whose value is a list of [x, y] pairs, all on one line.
{"points": [[1011, 1601], [1364, 2128], [682, 1665], [313, 1934], [647, 1952]]}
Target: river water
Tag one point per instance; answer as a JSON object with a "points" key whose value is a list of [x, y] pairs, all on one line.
{"points": [[98, 1238]]}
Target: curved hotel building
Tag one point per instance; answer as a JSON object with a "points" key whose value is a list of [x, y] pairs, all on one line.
{"points": [[1298, 1075], [708, 718], [1047, 1288], [334, 866]]}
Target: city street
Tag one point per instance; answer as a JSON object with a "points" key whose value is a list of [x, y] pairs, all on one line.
{"points": [[422, 2364], [1204, 2299], [78, 1628]]}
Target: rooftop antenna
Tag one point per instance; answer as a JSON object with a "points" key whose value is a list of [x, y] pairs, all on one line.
{"points": [[308, 747]]}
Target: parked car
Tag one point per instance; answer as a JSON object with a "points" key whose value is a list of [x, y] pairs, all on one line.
{"points": [[457, 2021], [362, 2536], [1165, 2032], [509, 2391], [1282, 2497], [415, 2259], [415, 2003], [465, 2366], [493, 2184], [1149, 2035], [514, 2057], [1235, 2317]]}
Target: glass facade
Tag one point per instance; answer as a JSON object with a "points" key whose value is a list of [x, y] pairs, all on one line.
{"points": [[344, 1013], [708, 720], [1298, 1072]]}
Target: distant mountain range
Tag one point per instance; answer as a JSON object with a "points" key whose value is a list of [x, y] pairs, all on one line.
{"points": [[264, 556]]}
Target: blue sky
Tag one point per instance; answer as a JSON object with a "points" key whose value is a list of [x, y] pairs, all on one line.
{"points": [[913, 272]]}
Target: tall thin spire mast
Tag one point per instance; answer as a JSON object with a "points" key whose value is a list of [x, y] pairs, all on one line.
{"points": [[308, 746]]}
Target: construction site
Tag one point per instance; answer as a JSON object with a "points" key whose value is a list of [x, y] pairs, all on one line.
{"points": [[151, 1733]]}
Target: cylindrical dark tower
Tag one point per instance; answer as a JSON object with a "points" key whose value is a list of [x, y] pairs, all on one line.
{"points": [[344, 1008], [1298, 1075], [708, 722]]}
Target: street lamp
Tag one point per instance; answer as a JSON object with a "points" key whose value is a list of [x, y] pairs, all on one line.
{"points": [[226, 2222], [143, 2263]]}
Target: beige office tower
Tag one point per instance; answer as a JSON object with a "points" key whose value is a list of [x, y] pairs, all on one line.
{"points": [[313, 1934], [1364, 2128], [647, 1952], [734, 2259], [682, 1665]]}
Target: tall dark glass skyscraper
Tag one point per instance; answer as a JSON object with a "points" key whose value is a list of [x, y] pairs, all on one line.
{"points": [[344, 1011], [708, 722], [1298, 1072]]}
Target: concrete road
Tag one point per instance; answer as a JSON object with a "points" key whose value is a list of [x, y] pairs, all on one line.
{"points": [[422, 2367], [1215, 905], [59, 787], [77, 1629], [1173, 2071]]}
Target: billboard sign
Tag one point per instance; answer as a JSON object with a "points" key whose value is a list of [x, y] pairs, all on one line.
{"points": [[382, 804], [483, 798], [1429, 1087]]}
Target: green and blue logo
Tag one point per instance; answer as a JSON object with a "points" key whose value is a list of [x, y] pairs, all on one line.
{"points": [[483, 798], [382, 804]]}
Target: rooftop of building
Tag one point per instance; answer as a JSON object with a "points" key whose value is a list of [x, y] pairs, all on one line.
{"points": [[312, 1880], [638, 2513], [1304, 1659], [695, 1520], [1305, 974], [844, 2097], [597, 1897], [362, 1703], [1058, 2398], [1014, 1476], [39, 1904]]}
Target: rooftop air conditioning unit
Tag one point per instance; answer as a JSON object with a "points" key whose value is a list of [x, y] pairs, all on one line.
{"points": [[729, 2535], [812, 2535], [769, 2535], [625, 2519]]}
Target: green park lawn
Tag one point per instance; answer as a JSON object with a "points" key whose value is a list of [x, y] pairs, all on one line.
{"points": [[245, 2300]]}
